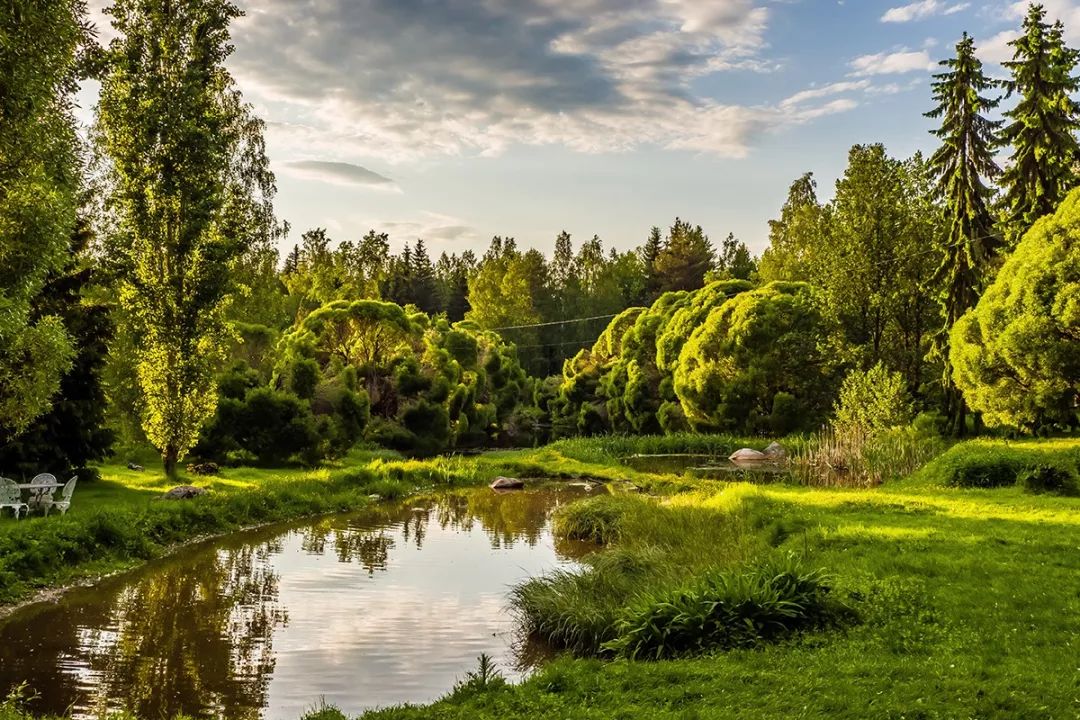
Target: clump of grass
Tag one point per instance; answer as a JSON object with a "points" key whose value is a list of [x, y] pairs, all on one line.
{"points": [[578, 611], [996, 463], [323, 711], [484, 678], [597, 520], [609, 448], [724, 611]]}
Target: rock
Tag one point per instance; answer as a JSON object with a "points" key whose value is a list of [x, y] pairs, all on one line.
{"points": [[184, 492], [775, 452], [748, 455], [133, 466], [206, 468], [505, 483]]}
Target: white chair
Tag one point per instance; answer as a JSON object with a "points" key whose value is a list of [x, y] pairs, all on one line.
{"points": [[11, 497], [64, 503], [42, 498]]}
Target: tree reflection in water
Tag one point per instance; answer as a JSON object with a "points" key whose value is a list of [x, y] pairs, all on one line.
{"points": [[193, 634]]}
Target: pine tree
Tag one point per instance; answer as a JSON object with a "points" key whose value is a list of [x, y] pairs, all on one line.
{"points": [[1042, 127], [649, 252], [425, 292], [686, 258], [963, 165]]}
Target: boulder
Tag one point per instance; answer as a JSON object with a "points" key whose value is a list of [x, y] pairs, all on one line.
{"points": [[184, 492], [748, 455], [775, 452], [133, 466], [206, 468], [505, 483]]}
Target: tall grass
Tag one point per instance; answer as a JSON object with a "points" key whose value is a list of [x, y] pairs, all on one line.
{"points": [[851, 457], [609, 448]]}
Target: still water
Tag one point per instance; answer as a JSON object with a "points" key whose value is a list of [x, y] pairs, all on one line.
{"points": [[363, 610]]}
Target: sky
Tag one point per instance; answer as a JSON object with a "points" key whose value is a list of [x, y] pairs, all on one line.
{"points": [[457, 120]]}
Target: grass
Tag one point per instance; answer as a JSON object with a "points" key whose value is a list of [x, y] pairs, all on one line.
{"points": [[967, 599]]}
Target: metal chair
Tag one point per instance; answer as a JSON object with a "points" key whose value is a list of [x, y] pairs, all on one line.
{"points": [[64, 503], [11, 497], [41, 498]]}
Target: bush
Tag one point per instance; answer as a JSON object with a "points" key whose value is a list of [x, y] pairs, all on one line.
{"points": [[873, 400], [1049, 479], [727, 611], [986, 472]]}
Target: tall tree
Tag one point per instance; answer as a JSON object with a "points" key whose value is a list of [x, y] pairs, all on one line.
{"points": [[648, 253], [72, 433], [171, 123], [686, 258], [1042, 126], [794, 236], [963, 165], [734, 261], [39, 181], [425, 292]]}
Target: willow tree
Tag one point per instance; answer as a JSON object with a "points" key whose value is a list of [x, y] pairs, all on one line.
{"points": [[1041, 129], [963, 165], [171, 125], [39, 179]]}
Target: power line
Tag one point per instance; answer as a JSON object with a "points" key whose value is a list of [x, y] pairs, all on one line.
{"points": [[555, 322]]}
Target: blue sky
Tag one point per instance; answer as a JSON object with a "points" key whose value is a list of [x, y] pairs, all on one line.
{"points": [[455, 120]]}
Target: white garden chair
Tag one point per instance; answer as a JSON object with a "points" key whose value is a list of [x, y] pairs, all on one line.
{"points": [[42, 498], [64, 503], [11, 497]]}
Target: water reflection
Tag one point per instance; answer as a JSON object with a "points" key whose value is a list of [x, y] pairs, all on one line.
{"points": [[364, 610]]}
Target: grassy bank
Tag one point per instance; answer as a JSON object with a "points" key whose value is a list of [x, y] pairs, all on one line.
{"points": [[966, 602]]}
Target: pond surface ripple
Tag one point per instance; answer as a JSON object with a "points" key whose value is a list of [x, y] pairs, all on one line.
{"points": [[363, 610]]}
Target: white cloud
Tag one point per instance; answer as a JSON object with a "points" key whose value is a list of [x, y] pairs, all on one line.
{"points": [[896, 63], [340, 173], [922, 10]]}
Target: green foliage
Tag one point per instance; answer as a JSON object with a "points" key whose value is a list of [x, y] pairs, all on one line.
{"points": [[181, 148], [1051, 479], [754, 346], [38, 187], [484, 678], [726, 611], [1015, 354], [596, 520], [1042, 126], [873, 400], [687, 256]]}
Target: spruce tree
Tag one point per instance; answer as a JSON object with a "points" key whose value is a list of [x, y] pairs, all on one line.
{"points": [[686, 258], [425, 291], [648, 253], [963, 165], [1042, 127]]}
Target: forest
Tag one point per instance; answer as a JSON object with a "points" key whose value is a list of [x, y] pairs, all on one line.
{"points": [[902, 360]]}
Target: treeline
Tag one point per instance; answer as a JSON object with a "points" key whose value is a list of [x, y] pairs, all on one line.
{"points": [[143, 300]]}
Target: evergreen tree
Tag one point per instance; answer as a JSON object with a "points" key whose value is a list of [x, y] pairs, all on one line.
{"points": [[1042, 127], [686, 258], [649, 252], [735, 261], [452, 274], [963, 165], [292, 261], [425, 292]]}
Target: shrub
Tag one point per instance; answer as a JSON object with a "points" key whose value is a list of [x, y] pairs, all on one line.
{"points": [[727, 611], [992, 471], [1049, 479], [274, 426], [873, 400]]}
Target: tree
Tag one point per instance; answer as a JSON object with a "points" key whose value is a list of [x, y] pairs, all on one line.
{"points": [[1014, 355], [794, 236], [425, 291], [873, 400], [39, 182], [1042, 127], [686, 258], [452, 277], [734, 261], [72, 433], [500, 293], [648, 253], [172, 124], [758, 363], [963, 165]]}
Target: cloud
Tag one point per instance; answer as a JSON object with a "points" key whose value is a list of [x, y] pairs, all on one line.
{"points": [[401, 80], [341, 173], [922, 10], [896, 63]]}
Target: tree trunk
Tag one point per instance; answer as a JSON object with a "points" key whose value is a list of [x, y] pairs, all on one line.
{"points": [[171, 458]]}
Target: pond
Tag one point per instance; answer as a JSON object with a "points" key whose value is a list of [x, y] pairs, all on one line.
{"points": [[708, 466], [382, 607]]}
